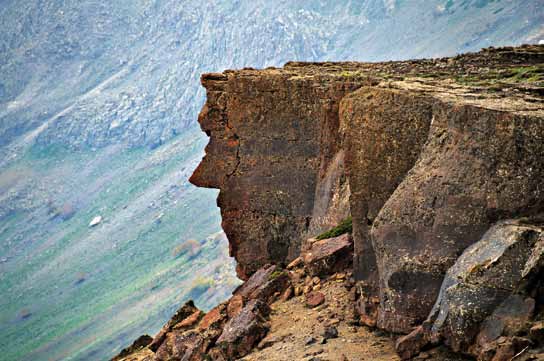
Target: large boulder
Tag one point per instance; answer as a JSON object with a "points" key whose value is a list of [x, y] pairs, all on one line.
{"points": [[487, 294], [244, 331], [328, 256], [264, 284]]}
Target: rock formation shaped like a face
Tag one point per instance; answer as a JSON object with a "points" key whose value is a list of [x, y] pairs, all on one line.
{"points": [[274, 152], [427, 162]]}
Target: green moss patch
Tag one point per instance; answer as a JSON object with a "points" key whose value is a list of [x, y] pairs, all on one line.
{"points": [[344, 227]]}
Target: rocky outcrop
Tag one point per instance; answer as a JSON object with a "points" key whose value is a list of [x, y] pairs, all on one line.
{"points": [[421, 162], [227, 332], [424, 155], [243, 324], [274, 145]]}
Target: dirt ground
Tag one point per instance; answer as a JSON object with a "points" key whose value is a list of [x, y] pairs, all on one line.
{"points": [[297, 333]]}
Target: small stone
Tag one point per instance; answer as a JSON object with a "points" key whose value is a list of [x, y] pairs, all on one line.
{"points": [[330, 332], [309, 340], [95, 221], [298, 291], [317, 287], [307, 289], [316, 280], [537, 332], [314, 299], [353, 329], [340, 276], [287, 294], [295, 263]]}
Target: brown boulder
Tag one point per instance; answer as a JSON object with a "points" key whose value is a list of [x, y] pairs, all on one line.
{"points": [[482, 298], [244, 331], [214, 319], [189, 346], [184, 312], [263, 284], [329, 255], [189, 321]]}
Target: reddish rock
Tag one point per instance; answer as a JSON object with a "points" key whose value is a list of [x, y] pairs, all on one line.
{"points": [[314, 299], [329, 255], [504, 349], [287, 294], [236, 303], [410, 345], [213, 319], [295, 263], [264, 283], [244, 331], [189, 321], [183, 313], [188, 346]]}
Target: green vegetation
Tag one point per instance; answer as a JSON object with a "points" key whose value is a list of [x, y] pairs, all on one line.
{"points": [[350, 74], [524, 74], [276, 274], [344, 227]]}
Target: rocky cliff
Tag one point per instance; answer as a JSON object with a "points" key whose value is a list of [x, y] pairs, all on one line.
{"points": [[438, 165]]}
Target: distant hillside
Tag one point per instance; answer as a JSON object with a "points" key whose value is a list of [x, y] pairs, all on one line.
{"points": [[98, 107]]}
